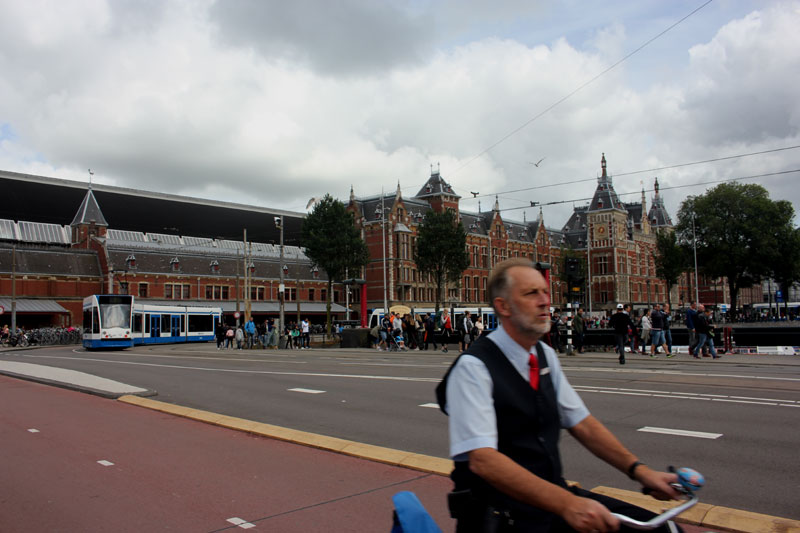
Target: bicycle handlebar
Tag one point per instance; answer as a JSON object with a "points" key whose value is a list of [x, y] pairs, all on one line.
{"points": [[660, 519], [689, 480]]}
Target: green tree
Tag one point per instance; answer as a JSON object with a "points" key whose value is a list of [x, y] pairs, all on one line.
{"points": [[785, 265], [441, 249], [737, 227], [333, 243], [670, 259]]}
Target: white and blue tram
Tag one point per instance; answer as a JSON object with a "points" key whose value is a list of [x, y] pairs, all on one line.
{"points": [[116, 321], [107, 321], [166, 324], [456, 313]]}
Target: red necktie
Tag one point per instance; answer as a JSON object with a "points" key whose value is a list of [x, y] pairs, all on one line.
{"points": [[534, 362]]}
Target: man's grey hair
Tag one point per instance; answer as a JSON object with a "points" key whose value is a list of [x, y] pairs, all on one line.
{"points": [[500, 281]]}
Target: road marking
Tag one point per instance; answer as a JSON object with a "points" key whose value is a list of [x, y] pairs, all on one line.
{"points": [[686, 396], [666, 372], [680, 432], [33, 430], [432, 405], [244, 524], [105, 463], [234, 371], [307, 391]]}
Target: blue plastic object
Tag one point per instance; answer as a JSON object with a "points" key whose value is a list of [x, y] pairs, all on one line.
{"points": [[410, 515], [690, 479]]}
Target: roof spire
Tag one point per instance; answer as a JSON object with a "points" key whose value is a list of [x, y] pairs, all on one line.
{"points": [[603, 164], [90, 178], [398, 195], [496, 204], [352, 195]]}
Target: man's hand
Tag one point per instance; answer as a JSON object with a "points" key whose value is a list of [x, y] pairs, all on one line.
{"points": [[658, 483], [588, 516]]}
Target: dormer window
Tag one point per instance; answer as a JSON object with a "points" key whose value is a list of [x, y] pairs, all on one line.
{"points": [[251, 267], [131, 262], [214, 265], [428, 188], [175, 264], [600, 204]]}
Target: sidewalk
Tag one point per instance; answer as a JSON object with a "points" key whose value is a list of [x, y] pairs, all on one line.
{"points": [[370, 505]]}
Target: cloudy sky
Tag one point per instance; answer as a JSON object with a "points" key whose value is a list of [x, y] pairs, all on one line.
{"points": [[271, 102]]}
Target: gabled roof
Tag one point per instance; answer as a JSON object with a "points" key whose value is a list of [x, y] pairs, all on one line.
{"points": [[89, 212]]}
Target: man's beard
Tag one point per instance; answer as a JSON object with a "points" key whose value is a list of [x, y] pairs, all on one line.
{"points": [[526, 324]]}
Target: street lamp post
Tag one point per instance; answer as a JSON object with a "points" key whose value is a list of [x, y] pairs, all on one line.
{"points": [[694, 246], [281, 287]]}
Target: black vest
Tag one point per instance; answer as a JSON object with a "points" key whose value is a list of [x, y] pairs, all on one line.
{"points": [[528, 425]]}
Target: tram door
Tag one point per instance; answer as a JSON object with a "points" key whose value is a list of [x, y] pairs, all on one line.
{"points": [[176, 326], [155, 326]]}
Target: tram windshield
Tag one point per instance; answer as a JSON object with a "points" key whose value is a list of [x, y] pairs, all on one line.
{"points": [[115, 311]]}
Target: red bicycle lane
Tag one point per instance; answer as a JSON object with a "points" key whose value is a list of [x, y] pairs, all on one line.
{"points": [[163, 472]]}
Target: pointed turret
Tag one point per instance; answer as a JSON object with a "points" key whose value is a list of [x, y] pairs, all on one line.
{"points": [[352, 194], [438, 193], [605, 197], [89, 220], [658, 216]]}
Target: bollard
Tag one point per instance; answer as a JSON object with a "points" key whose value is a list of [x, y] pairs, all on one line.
{"points": [[569, 329]]}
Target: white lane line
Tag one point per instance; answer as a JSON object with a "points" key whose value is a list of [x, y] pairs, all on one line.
{"points": [[307, 391], [32, 430], [431, 405], [244, 524], [685, 396], [259, 372], [680, 432], [665, 372], [105, 463]]}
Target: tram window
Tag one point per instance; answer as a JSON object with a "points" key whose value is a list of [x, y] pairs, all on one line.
{"points": [[165, 322], [95, 321], [87, 320], [147, 323], [201, 323], [137, 322], [183, 323]]}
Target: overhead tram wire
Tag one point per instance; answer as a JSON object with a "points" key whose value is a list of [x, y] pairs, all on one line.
{"points": [[698, 184], [583, 180], [581, 87]]}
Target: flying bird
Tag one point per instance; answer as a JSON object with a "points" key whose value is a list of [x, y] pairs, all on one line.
{"points": [[537, 163], [313, 201], [474, 194]]}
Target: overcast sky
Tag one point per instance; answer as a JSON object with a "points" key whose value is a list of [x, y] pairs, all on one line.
{"points": [[269, 103]]}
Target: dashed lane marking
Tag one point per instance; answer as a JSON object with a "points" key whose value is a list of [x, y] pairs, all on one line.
{"points": [[680, 432], [432, 405], [616, 370], [244, 524], [106, 463], [307, 391], [32, 430]]}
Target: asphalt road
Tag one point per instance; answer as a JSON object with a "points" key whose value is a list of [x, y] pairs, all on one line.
{"points": [[743, 410]]}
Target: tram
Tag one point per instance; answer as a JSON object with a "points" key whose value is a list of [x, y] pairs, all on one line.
{"points": [[107, 321], [116, 321]]}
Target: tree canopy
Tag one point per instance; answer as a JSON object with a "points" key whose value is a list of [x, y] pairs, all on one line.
{"points": [[441, 249], [738, 232], [333, 243], [670, 259]]}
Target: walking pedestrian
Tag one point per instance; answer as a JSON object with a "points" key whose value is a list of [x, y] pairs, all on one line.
{"points": [[621, 323], [657, 338], [447, 329], [229, 337], [578, 327], [430, 331], [219, 333], [705, 331], [691, 319], [305, 328], [668, 330], [646, 327], [466, 331]]}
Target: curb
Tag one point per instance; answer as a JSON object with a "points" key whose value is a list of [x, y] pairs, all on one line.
{"points": [[713, 516], [703, 515]]}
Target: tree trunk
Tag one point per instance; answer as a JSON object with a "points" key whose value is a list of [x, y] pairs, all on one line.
{"points": [[734, 294]]}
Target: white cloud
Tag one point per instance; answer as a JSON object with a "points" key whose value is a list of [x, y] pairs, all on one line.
{"points": [[203, 99]]}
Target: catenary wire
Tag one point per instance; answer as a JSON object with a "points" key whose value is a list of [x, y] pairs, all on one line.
{"points": [[581, 87], [698, 184]]}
